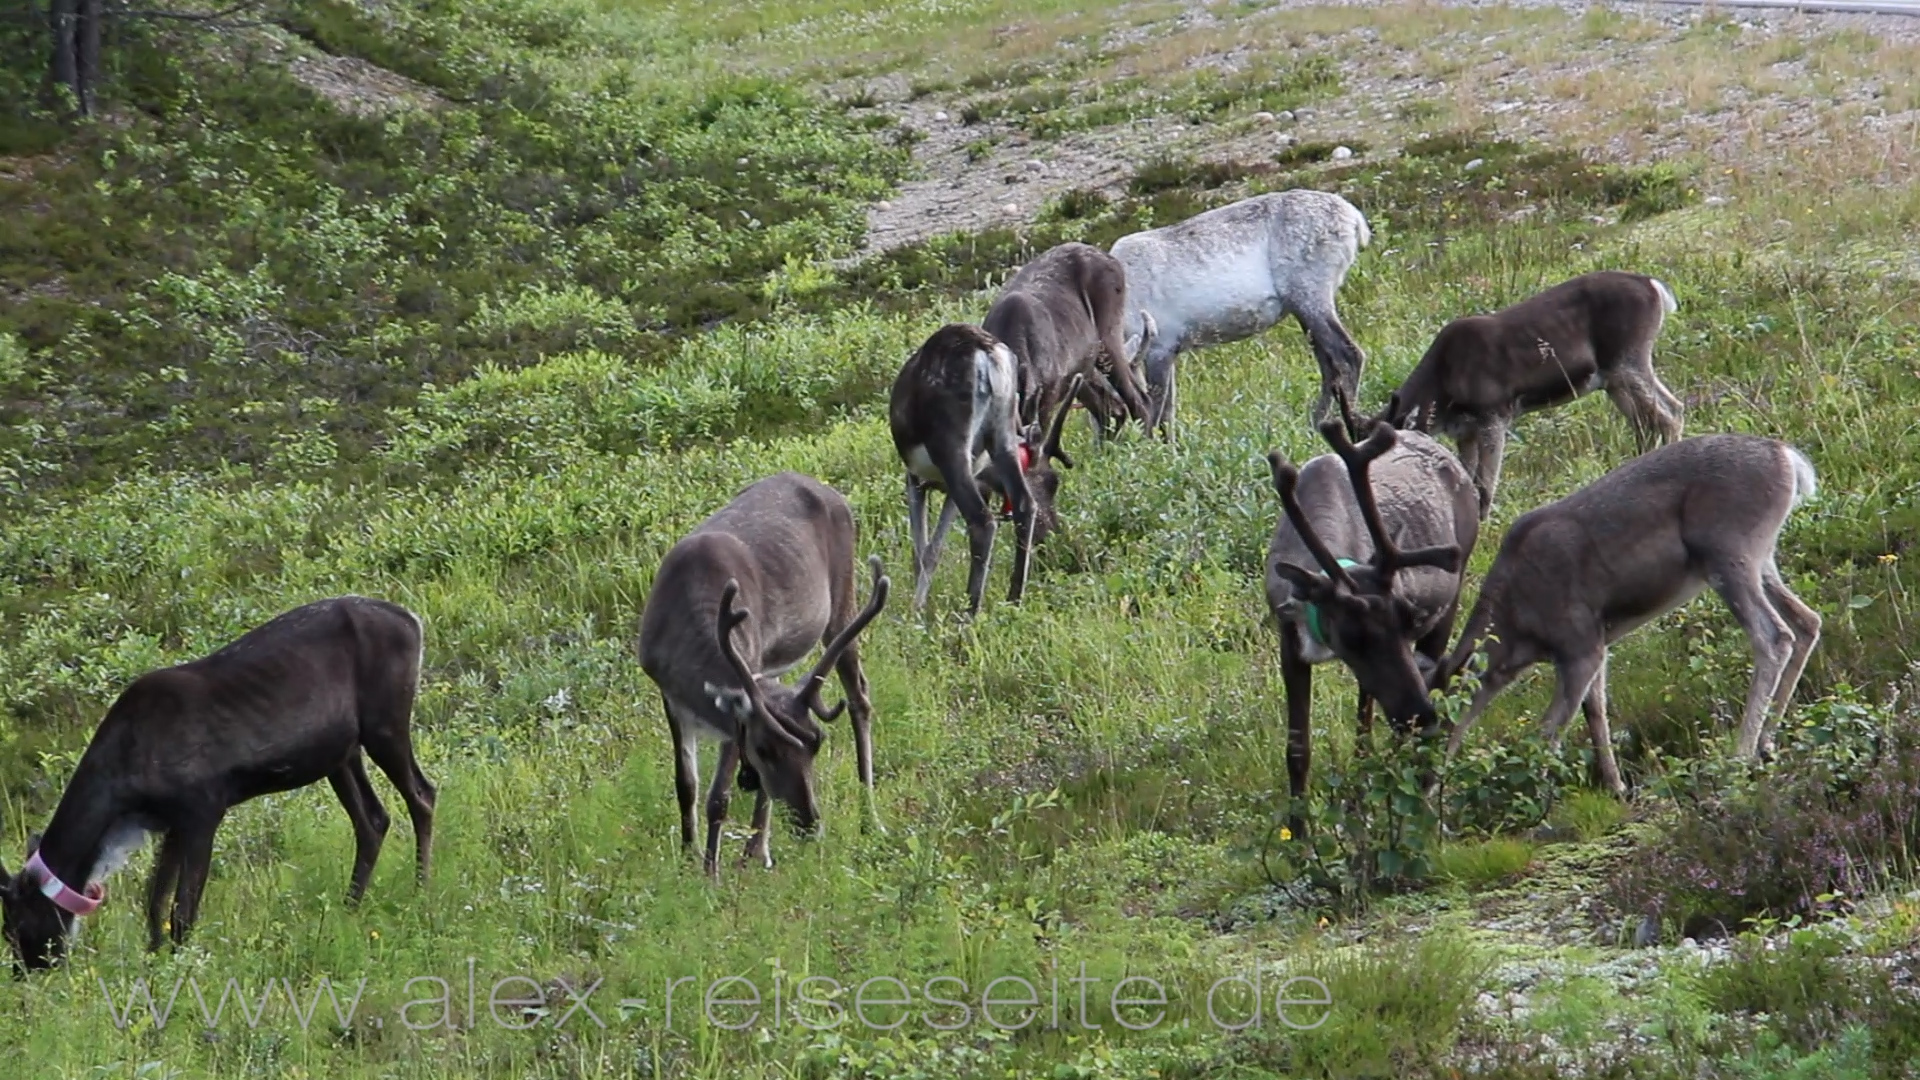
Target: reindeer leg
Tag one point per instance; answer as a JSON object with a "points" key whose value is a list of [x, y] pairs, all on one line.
{"points": [[1339, 356], [166, 875], [1806, 634], [1595, 708], [1123, 377], [1772, 640], [1363, 725], [719, 795], [389, 744], [370, 820], [917, 530], [1493, 449], [1575, 672], [1499, 675], [1296, 675], [1007, 469], [760, 844], [196, 859], [1159, 365], [686, 773], [1467, 449]]}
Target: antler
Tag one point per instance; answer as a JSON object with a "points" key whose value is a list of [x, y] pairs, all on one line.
{"points": [[810, 689], [1286, 480], [731, 617], [1387, 558], [1051, 448]]}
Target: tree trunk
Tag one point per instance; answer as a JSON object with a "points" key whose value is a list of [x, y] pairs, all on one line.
{"points": [[62, 15], [87, 48]]}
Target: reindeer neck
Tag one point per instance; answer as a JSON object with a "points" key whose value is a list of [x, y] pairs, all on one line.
{"points": [[76, 838]]}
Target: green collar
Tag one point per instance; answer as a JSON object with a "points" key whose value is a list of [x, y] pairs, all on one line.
{"points": [[1313, 612]]}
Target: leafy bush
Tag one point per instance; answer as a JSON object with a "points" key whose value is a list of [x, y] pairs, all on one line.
{"points": [[1837, 812], [1812, 996]]}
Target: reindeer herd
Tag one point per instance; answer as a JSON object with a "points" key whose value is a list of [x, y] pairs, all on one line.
{"points": [[1366, 565]]}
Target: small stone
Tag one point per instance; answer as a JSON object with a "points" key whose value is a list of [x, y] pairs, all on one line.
{"points": [[1715, 200], [1284, 139], [1647, 933], [1263, 117], [883, 205], [1011, 208], [1689, 944], [1286, 116], [1035, 166], [1342, 153], [1475, 163], [741, 162], [941, 115]]}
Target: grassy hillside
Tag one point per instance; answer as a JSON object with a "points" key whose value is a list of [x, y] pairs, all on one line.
{"points": [[490, 350]]}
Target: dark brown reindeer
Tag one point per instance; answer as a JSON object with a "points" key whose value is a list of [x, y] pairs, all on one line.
{"points": [[956, 428], [292, 701], [1062, 316], [1574, 576], [1482, 372], [736, 603], [1365, 567]]}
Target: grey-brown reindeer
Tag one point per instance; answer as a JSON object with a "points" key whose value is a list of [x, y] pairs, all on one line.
{"points": [[292, 701], [1574, 576], [736, 603], [953, 412], [1062, 315], [1482, 372], [1365, 566]]}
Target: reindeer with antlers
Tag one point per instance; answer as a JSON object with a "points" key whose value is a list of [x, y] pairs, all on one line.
{"points": [[1365, 567], [735, 604]]}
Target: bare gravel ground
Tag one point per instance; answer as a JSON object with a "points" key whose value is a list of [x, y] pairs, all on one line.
{"points": [[1739, 94]]}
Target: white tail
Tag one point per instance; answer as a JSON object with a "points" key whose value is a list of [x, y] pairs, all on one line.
{"points": [[1667, 303], [1805, 485]]}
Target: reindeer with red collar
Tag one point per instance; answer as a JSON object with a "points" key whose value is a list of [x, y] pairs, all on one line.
{"points": [[293, 701], [956, 425]]}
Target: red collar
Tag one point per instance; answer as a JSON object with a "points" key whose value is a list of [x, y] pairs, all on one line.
{"points": [[1026, 466], [58, 891]]}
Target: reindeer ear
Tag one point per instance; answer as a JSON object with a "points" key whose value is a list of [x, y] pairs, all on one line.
{"points": [[1316, 587], [732, 701], [1445, 557]]}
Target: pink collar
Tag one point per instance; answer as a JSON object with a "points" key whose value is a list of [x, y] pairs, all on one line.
{"points": [[62, 896]]}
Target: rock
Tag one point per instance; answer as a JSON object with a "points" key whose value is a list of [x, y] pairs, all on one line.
{"points": [[942, 115], [1475, 163], [883, 205], [1011, 208], [1284, 139], [1286, 116], [1342, 153], [1715, 200], [741, 162], [1034, 165], [1263, 117], [1689, 944]]}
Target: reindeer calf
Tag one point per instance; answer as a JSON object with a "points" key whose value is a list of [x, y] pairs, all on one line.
{"points": [[956, 429], [1484, 371], [292, 701], [1576, 575], [1061, 314]]}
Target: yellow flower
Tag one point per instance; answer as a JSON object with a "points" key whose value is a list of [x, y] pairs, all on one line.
{"points": [[1286, 833], [1889, 557], [374, 934]]}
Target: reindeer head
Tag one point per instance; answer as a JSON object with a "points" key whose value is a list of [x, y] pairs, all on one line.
{"points": [[779, 735], [35, 927], [1351, 607], [1037, 456]]}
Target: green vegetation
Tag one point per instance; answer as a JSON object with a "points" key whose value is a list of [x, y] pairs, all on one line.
{"points": [[491, 356]]}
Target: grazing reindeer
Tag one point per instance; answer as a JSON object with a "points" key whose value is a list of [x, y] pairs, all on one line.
{"points": [[1232, 272], [783, 548], [1365, 567], [955, 428], [1484, 371], [1061, 315], [1574, 576], [292, 701]]}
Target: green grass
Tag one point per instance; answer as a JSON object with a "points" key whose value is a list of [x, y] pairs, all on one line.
{"points": [[492, 363]]}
